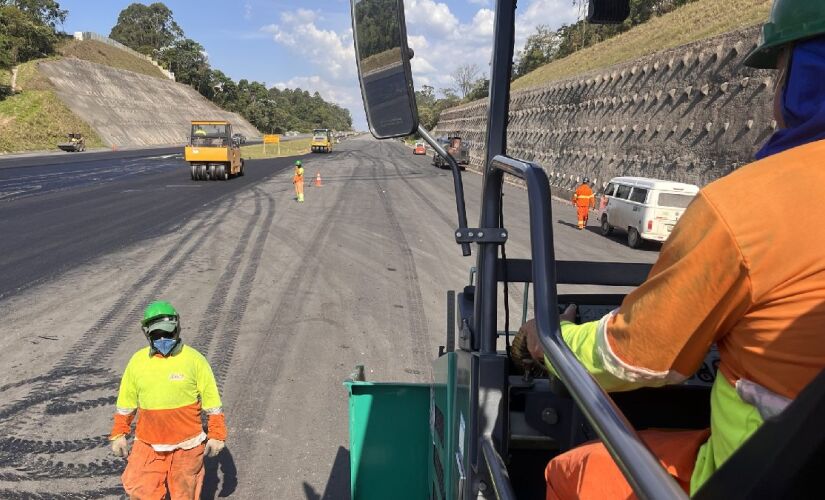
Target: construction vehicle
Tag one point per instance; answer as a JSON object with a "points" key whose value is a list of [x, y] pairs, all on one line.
{"points": [[76, 143], [213, 153], [456, 149], [481, 429], [321, 140]]}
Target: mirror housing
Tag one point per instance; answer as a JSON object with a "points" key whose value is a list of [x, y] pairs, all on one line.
{"points": [[608, 11], [383, 57]]}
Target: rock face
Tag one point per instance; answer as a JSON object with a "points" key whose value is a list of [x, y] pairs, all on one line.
{"points": [[129, 109], [690, 114]]}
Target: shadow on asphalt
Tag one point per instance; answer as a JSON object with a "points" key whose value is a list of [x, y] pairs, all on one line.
{"points": [[227, 478], [338, 486], [618, 237]]}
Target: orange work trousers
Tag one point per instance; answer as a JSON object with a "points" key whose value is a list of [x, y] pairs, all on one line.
{"points": [[583, 212], [149, 472], [299, 188], [589, 473]]}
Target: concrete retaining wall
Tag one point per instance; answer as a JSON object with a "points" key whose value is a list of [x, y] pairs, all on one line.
{"points": [[129, 109], [690, 114]]}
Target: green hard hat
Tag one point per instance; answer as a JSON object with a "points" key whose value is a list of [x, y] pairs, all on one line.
{"points": [[790, 21], [297, 163], [157, 310]]}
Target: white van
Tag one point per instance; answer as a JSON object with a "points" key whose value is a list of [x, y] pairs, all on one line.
{"points": [[646, 208]]}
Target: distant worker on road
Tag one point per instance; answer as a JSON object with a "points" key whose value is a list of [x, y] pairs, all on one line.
{"points": [[583, 200], [298, 180], [734, 272], [168, 385]]}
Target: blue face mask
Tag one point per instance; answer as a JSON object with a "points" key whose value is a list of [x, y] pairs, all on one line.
{"points": [[164, 346]]}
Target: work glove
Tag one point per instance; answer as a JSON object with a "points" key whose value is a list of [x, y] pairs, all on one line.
{"points": [[213, 447], [120, 447]]}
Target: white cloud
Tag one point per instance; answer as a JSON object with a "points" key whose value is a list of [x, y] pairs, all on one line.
{"points": [[441, 39], [430, 17], [333, 51]]}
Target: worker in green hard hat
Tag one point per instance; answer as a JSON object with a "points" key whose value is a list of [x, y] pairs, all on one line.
{"points": [[298, 181], [168, 385], [743, 272]]}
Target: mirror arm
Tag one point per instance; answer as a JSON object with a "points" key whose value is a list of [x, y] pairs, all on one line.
{"points": [[457, 183]]}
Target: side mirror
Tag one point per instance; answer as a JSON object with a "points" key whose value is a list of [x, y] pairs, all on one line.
{"points": [[380, 36], [608, 11]]}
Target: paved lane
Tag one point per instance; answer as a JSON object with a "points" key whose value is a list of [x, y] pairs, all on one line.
{"points": [[54, 217], [283, 298]]}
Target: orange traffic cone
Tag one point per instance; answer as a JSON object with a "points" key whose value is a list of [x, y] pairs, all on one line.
{"points": [[318, 179]]}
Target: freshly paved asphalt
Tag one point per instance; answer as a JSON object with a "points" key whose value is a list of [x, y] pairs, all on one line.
{"points": [[58, 215]]}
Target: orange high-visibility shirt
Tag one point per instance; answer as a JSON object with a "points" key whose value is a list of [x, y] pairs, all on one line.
{"points": [[744, 271], [298, 177], [583, 197]]}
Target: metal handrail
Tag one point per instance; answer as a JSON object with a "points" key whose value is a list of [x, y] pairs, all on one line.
{"points": [[502, 488], [642, 470]]}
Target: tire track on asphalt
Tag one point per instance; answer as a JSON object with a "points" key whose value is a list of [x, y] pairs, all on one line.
{"points": [[221, 357], [73, 363], [419, 333], [263, 369], [210, 320], [55, 390]]}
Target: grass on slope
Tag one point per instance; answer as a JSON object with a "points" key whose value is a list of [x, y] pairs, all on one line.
{"points": [[692, 22], [101, 53], [288, 148], [35, 118]]}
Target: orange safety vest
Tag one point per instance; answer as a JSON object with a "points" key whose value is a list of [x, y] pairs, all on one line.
{"points": [[583, 197], [299, 176]]}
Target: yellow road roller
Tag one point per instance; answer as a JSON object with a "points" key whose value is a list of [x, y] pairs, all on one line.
{"points": [[212, 153], [321, 140]]}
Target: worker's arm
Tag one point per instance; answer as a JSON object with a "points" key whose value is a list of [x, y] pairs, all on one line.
{"points": [[126, 406], [211, 400], [696, 291]]}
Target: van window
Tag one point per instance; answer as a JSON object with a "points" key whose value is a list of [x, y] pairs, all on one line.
{"points": [[675, 200], [623, 192], [639, 195], [610, 189]]}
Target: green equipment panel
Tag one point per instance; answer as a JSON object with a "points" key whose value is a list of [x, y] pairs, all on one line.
{"points": [[389, 440]]}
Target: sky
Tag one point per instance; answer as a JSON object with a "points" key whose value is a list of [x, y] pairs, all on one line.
{"points": [[308, 43]]}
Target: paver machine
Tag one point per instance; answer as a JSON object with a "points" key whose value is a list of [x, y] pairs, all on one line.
{"points": [[321, 140], [212, 152], [482, 428]]}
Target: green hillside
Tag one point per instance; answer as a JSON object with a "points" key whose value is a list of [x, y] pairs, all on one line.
{"points": [[101, 53], [33, 118], [692, 22]]}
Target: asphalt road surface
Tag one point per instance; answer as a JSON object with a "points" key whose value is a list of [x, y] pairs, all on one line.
{"points": [[283, 298]]}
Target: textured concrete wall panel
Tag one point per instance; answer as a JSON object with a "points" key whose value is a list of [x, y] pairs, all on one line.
{"points": [[129, 109], [691, 114]]}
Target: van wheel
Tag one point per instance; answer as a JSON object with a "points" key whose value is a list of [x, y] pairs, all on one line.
{"points": [[607, 229], [633, 238]]}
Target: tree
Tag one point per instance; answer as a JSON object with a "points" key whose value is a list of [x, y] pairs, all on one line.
{"points": [[147, 29], [185, 58], [480, 90], [47, 12], [465, 77], [539, 49], [23, 37]]}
